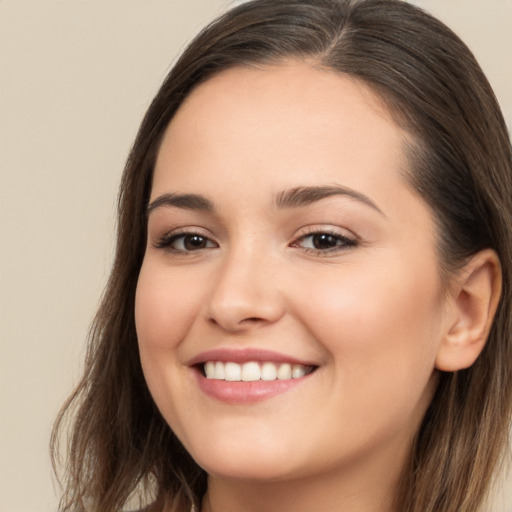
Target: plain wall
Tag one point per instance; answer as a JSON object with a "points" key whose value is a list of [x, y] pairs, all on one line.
{"points": [[75, 79]]}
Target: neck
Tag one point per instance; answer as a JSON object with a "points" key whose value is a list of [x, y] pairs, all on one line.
{"points": [[348, 489]]}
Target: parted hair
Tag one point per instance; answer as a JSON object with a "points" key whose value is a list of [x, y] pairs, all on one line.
{"points": [[119, 447]]}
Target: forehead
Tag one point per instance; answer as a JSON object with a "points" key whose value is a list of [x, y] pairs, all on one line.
{"points": [[280, 93], [281, 123]]}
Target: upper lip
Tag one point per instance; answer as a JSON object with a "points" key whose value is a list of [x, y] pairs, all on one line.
{"points": [[244, 356]]}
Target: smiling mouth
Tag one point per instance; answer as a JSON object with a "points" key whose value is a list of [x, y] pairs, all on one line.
{"points": [[254, 371]]}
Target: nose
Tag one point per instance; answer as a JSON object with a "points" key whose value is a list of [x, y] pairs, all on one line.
{"points": [[246, 292]]}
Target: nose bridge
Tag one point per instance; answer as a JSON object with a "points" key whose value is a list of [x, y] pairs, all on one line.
{"points": [[245, 292]]}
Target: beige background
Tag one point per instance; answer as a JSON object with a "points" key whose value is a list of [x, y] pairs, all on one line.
{"points": [[75, 79]]}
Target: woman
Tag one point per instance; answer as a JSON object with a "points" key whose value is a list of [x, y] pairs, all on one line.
{"points": [[310, 304]]}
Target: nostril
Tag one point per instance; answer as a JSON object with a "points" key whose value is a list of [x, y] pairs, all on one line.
{"points": [[253, 320]]}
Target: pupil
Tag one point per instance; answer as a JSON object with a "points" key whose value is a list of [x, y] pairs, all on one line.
{"points": [[194, 242], [324, 241]]}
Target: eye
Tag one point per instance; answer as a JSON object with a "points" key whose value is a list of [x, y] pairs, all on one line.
{"points": [[322, 242], [185, 242]]}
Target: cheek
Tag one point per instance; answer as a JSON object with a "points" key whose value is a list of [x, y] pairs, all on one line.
{"points": [[165, 307], [381, 326]]}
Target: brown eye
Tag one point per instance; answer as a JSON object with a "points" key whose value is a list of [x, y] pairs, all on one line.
{"points": [[324, 242], [185, 242], [194, 242]]}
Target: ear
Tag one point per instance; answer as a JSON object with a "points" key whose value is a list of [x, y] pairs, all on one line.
{"points": [[474, 296]]}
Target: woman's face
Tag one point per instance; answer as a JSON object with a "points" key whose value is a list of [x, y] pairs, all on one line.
{"points": [[285, 249]]}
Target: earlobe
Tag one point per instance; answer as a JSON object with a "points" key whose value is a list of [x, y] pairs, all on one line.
{"points": [[475, 298]]}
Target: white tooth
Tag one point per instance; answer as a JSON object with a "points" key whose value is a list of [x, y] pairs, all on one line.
{"points": [[220, 372], [251, 371], [209, 370], [268, 371], [298, 371], [233, 372], [284, 372]]}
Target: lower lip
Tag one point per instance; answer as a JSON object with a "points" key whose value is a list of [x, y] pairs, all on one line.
{"points": [[246, 392]]}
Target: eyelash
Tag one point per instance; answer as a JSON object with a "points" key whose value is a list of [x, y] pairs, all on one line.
{"points": [[166, 241], [342, 242]]}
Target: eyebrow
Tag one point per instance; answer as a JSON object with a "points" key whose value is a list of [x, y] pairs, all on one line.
{"points": [[294, 198], [187, 201], [303, 196]]}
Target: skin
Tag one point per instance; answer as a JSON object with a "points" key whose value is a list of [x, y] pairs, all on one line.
{"points": [[370, 315]]}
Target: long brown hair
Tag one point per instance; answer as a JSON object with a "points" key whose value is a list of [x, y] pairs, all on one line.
{"points": [[460, 163]]}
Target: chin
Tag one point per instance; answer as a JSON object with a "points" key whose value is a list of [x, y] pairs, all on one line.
{"points": [[228, 461], [249, 471]]}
